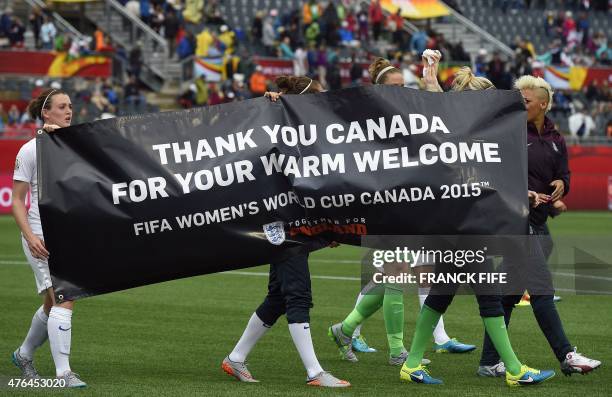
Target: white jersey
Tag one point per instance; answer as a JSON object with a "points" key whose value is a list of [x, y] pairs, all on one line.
{"points": [[25, 171]]}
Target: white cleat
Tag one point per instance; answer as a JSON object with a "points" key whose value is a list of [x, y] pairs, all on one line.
{"points": [[72, 380], [26, 366], [577, 363], [492, 371], [325, 379], [237, 370]]}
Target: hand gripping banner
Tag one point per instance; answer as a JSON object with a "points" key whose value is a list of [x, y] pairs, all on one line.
{"points": [[138, 200]]}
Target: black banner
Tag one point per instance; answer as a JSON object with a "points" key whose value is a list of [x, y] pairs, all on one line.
{"points": [[138, 200]]}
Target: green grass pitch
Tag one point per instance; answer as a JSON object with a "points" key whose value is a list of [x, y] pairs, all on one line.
{"points": [[169, 339]]}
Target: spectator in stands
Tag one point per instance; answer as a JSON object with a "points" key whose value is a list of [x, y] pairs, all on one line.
{"points": [[214, 97], [201, 98], [362, 20], [186, 46], [157, 18], [171, 28], [376, 18], [284, 49], [300, 61], [228, 38], [188, 98], [47, 33], [14, 115], [132, 94], [99, 100], [603, 54], [496, 72], [6, 20], [258, 82], [549, 23], [36, 20], [418, 42], [135, 60], [459, 54], [330, 22], [346, 36], [312, 33], [82, 116], [396, 26], [16, 34], [146, 11], [257, 28], [569, 24], [269, 35]]}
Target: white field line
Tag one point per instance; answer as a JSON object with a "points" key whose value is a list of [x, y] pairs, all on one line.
{"points": [[343, 278]]}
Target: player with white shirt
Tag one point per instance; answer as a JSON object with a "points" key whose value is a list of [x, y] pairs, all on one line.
{"points": [[53, 319]]}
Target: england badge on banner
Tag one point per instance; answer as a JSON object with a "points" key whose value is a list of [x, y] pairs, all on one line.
{"points": [[275, 232]]}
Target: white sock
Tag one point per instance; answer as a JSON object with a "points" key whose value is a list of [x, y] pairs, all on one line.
{"points": [[439, 333], [59, 327], [300, 332], [37, 334], [254, 330]]}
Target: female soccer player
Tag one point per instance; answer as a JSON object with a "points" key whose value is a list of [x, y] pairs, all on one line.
{"points": [[346, 334], [547, 171], [53, 319], [289, 293], [490, 306]]}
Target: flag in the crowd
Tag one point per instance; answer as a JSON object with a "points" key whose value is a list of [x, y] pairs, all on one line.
{"points": [[211, 68], [417, 9]]}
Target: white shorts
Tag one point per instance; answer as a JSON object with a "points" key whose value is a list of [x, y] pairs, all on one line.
{"points": [[40, 267]]}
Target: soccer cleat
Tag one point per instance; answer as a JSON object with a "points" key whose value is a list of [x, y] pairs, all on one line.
{"points": [[72, 380], [26, 366], [492, 371], [360, 345], [528, 377], [325, 379], [557, 298], [344, 343], [418, 375], [577, 363], [237, 370], [402, 357], [453, 346]]}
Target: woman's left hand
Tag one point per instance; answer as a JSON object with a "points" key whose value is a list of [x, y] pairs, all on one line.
{"points": [[559, 187], [273, 95]]}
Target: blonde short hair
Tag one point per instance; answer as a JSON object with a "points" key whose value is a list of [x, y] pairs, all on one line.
{"points": [[531, 83]]}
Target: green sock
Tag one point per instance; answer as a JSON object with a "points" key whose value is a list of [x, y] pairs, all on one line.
{"points": [[427, 321], [368, 305], [496, 328], [393, 310]]}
